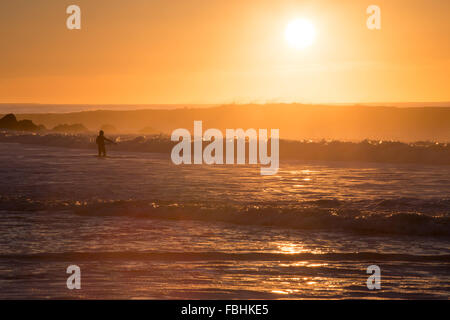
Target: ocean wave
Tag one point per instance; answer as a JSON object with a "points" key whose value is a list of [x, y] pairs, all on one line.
{"points": [[304, 217], [365, 151], [223, 256], [418, 217]]}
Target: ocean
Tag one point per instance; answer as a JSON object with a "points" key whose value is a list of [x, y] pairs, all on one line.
{"points": [[141, 227]]}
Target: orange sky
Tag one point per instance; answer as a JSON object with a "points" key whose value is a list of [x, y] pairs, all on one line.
{"points": [[216, 51]]}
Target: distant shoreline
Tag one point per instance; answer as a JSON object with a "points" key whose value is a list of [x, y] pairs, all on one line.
{"points": [[295, 121], [24, 108]]}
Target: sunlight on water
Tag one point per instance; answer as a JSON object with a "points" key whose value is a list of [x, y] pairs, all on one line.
{"points": [[165, 231], [290, 248]]}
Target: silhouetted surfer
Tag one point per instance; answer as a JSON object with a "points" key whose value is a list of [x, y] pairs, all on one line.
{"points": [[101, 143]]}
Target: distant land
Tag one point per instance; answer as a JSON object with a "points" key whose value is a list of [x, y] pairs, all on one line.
{"points": [[16, 108], [295, 121], [66, 108]]}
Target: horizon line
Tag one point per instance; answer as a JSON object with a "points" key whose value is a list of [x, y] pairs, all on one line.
{"points": [[224, 103]]}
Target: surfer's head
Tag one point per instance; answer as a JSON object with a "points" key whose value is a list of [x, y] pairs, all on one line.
{"points": [[101, 133]]}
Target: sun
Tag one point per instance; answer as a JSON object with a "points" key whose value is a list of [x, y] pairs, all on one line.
{"points": [[300, 33]]}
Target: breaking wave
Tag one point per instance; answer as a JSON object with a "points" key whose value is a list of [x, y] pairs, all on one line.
{"points": [[403, 216], [367, 150]]}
